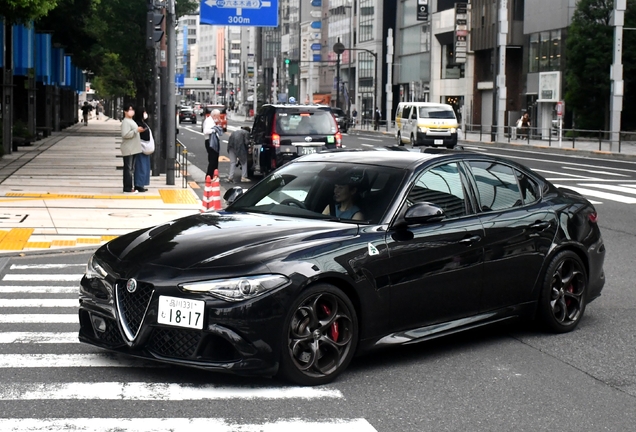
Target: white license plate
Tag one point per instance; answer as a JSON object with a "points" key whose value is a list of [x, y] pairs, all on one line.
{"points": [[440, 142], [306, 150], [180, 312]]}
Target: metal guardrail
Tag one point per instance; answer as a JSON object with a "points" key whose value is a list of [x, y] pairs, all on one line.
{"points": [[181, 164], [584, 137]]}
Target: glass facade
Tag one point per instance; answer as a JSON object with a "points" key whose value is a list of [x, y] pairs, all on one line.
{"points": [[367, 17], [545, 51]]}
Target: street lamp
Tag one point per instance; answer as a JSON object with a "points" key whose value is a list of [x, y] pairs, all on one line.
{"points": [[339, 48]]}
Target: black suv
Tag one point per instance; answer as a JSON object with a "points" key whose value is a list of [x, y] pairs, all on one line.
{"points": [[284, 132], [342, 118]]}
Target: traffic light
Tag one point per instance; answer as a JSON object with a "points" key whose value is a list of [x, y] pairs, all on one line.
{"points": [[153, 28], [286, 61]]}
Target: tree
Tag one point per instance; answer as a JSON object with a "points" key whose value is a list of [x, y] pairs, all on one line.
{"points": [[25, 11], [589, 48]]}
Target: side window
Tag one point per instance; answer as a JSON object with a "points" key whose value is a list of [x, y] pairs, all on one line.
{"points": [[406, 112], [442, 186], [530, 191], [497, 186]]}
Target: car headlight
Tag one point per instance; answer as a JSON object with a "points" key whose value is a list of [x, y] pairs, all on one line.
{"points": [[238, 289], [453, 130], [423, 129], [94, 269]]}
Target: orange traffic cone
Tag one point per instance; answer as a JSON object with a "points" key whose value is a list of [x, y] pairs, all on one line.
{"points": [[206, 203], [216, 191]]}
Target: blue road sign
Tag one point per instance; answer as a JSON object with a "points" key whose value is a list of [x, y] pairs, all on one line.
{"points": [[316, 3], [316, 24], [254, 13], [317, 57], [179, 80], [316, 47]]}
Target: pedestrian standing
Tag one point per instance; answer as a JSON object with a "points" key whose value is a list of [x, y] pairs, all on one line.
{"points": [[376, 124], [86, 109], [237, 149], [212, 133], [354, 115], [130, 146], [142, 161]]}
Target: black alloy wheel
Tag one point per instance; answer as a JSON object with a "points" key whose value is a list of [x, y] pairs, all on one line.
{"points": [[563, 297], [320, 336]]}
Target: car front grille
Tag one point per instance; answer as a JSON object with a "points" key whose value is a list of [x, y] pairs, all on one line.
{"points": [[132, 306], [175, 343], [111, 336]]}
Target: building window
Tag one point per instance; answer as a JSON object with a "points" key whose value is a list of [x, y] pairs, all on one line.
{"points": [[545, 51], [367, 16]]}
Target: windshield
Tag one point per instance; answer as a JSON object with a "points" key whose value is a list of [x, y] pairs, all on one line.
{"points": [[437, 113], [305, 123], [347, 192]]}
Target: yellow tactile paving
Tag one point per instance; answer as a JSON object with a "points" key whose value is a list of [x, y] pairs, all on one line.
{"points": [[57, 243], [108, 238], [16, 239], [82, 240], [177, 196], [194, 185], [75, 196], [38, 245]]}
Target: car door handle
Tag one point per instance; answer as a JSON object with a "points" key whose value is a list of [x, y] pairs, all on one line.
{"points": [[540, 225], [470, 240]]}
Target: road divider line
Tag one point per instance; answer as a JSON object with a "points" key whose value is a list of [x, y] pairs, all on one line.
{"points": [[144, 391], [622, 189]]}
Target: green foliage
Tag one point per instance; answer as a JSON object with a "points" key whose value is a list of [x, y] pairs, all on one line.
{"points": [[186, 7], [25, 11], [115, 79]]}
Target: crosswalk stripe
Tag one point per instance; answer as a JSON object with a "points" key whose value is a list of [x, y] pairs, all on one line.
{"points": [[600, 194], [580, 177], [43, 266], [37, 338], [629, 185], [594, 171], [172, 424], [613, 188], [39, 303], [72, 360], [39, 289], [155, 392], [38, 277], [38, 318]]}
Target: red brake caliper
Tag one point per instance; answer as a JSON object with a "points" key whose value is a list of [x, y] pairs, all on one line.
{"points": [[333, 331]]}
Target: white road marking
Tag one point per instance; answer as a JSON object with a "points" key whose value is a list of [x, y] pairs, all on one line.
{"points": [[43, 266], [37, 338], [367, 145], [179, 424], [39, 318], [373, 139], [475, 149], [155, 392], [599, 194], [629, 185], [595, 172], [627, 190], [40, 277], [73, 360], [564, 174], [39, 289], [39, 303]]}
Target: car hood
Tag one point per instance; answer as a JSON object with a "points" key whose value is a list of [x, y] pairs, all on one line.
{"points": [[225, 239]]}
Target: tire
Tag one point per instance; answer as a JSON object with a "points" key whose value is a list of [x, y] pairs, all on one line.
{"points": [[319, 336], [563, 295], [412, 140]]}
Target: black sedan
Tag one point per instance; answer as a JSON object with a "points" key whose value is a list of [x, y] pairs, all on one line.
{"points": [[342, 118], [187, 114], [338, 253]]}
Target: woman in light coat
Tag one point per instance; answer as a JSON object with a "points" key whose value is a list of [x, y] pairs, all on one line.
{"points": [[130, 146]]}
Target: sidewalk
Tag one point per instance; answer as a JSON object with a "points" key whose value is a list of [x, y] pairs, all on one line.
{"points": [[65, 191]]}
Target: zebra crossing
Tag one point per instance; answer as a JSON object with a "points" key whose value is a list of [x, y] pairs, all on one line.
{"points": [[44, 368]]}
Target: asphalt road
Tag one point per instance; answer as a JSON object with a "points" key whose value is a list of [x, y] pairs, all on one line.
{"points": [[499, 378]]}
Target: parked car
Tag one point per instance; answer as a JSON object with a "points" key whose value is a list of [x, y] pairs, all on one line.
{"points": [[342, 118], [426, 123], [187, 114], [279, 284], [284, 132]]}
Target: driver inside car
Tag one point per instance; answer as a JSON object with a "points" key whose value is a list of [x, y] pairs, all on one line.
{"points": [[346, 196]]}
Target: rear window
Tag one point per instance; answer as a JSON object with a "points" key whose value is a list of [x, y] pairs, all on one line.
{"points": [[436, 113], [305, 123]]}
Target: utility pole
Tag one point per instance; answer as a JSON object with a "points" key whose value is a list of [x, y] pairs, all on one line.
{"points": [[275, 75], [616, 74], [171, 113], [338, 79], [389, 77]]}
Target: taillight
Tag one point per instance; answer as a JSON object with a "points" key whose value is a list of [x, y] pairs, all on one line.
{"points": [[275, 140], [593, 217], [338, 139]]}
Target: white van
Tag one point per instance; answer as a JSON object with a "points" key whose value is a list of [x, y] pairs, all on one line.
{"points": [[426, 123]]}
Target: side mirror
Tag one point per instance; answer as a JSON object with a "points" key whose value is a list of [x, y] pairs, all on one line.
{"points": [[423, 212], [232, 194]]}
